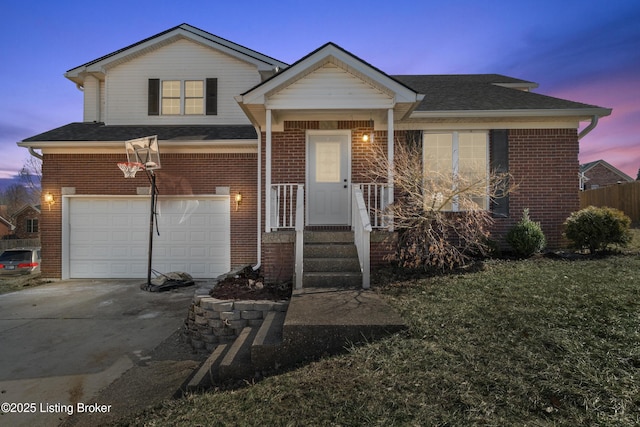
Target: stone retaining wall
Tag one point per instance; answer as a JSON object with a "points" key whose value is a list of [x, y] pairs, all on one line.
{"points": [[213, 321]]}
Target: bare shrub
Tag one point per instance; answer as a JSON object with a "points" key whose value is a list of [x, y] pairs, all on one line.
{"points": [[443, 220]]}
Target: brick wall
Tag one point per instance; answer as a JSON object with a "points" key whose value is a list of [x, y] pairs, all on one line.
{"points": [[181, 174], [20, 221], [544, 164]]}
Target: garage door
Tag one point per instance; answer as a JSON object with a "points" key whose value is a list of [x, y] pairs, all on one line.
{"points": [[107, 237]]}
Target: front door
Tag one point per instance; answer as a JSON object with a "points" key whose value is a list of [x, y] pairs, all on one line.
{"points": [[328, 179]]}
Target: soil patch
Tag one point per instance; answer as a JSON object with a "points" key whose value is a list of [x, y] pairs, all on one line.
{"points": [[250, 285]]}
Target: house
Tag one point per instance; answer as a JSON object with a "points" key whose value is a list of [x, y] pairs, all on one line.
{"points": [[26, 222], [6, 227], [255, 152], [600, 174]]}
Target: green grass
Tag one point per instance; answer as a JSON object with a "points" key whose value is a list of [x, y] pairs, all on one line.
{"points": [[538, 342]]}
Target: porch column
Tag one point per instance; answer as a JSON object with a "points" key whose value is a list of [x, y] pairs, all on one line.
{"points": [[267, 177], [390, 150]]}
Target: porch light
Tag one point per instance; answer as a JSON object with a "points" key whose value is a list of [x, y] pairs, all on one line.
{"points": [[48, 198], [238, 199], [365, 137]]}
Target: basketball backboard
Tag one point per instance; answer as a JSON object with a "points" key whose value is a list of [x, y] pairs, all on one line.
{"points": [[144, 150]]}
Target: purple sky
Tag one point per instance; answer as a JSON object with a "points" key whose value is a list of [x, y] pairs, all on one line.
{"points": [[582, 50]]}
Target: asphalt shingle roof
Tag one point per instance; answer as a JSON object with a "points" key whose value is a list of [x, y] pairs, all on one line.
{"points": [[99, 132], [481, 92]]}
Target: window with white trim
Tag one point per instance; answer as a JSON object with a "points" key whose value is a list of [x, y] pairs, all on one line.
{"points": [[182, 97], [456, 170], [32, 225]]}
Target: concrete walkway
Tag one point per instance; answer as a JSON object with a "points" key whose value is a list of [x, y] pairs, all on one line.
{"points": [[62, 343]]}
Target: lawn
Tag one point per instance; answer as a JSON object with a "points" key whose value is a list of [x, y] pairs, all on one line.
{"points": [[539, 342]]}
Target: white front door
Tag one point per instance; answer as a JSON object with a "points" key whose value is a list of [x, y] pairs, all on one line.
{"points": [[328, 178]]}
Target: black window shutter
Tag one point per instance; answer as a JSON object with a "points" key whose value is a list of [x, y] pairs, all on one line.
{"points": [[154, 97], [212, 97], [413, 138], [500, 165]]}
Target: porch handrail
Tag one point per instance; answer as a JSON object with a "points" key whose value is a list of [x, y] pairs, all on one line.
{"points": [[299, 227], [283, 206], [376, 198], [361, 231]]}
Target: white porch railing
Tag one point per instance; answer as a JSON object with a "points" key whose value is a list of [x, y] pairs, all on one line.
{"points": [[376, 199], [283, 205], [361, 232], [299, 248]]}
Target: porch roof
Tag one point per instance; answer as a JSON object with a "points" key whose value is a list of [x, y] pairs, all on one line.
{"points": [[329, 81]]}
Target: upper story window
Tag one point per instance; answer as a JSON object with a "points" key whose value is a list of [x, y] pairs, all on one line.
{"points": [[183, 97], [456, 170], [32, 225]]}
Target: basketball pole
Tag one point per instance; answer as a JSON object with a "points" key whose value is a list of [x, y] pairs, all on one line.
{"points": [[151, 220]]}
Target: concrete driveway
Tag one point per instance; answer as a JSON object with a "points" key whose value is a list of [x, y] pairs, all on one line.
{"points": [[61, 343]]}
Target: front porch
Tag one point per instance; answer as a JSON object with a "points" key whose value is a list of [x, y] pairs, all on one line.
{"points": [[315, 256]]}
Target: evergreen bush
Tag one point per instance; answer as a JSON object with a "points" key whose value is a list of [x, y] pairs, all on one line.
{"points": [[596, 228], [526, 237]]}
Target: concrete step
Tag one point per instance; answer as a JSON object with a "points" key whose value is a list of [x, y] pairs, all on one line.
{"points": [[351, 264], [265, 354], [236, 364], [325, 279], [328, 236], [207, 374], [327, 321], [330, 250]]}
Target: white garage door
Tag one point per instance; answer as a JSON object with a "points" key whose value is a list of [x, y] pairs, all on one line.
{"points": [[108, 237]]}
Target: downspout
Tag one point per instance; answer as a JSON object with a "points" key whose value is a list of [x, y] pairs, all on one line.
{"points": [[34, 153], [592, 126], [259, 236]]}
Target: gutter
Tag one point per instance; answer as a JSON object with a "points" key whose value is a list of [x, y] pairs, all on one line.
{"points": [[584, 132]]}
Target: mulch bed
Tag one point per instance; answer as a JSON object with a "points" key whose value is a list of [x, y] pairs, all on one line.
{"points": [[250, 285]]}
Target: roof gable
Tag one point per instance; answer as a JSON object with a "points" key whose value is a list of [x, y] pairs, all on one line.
{"points": [[586, 167], [183, 31], [340, 59]]}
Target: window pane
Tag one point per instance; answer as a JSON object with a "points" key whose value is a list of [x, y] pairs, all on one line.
{"points": [[472, 162], [171, 89], [438, 169], [193, 106], [170, 105], [194, 97], [194, 88], [170, 97]]}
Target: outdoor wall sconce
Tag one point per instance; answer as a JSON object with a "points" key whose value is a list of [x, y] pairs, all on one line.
{"points": [[48, 198], [238, 199], [366, 137]]}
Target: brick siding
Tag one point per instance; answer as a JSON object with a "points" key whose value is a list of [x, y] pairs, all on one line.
{"points": [[181, 174], [544, 164]]}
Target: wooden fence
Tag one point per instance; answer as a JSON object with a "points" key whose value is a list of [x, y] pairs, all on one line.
{"points": [[625, 197], [19, 243]]}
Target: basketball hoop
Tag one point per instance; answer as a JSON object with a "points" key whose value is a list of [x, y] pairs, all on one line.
{"points": [[130, 168]]}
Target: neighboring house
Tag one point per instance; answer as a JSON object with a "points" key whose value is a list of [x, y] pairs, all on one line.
{"points": [[232, 122], [6, 227], [27, 222], [600, 174]]}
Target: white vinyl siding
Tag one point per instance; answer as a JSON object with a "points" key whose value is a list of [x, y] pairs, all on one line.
{"points": [[330, 87], [127, 84]]}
